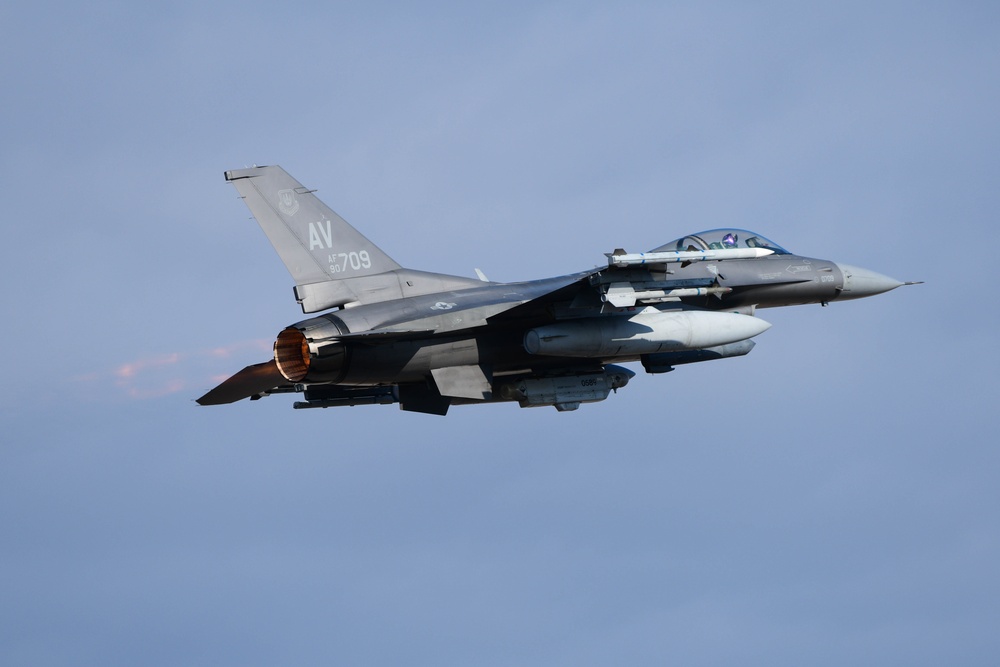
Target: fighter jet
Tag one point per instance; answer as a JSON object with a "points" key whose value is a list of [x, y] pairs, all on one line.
{"points": [[386, 334]]}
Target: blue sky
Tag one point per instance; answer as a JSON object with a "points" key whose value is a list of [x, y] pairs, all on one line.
{"points": [[829, 499]]}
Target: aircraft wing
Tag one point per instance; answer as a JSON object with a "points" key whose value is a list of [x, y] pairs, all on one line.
{"points": [[577, 293]]}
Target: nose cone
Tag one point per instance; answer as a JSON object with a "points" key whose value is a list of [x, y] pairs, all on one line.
{"points": [[859, 283]]}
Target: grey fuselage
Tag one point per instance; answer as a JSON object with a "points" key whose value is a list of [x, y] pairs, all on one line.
{"points": [[467, 327]]}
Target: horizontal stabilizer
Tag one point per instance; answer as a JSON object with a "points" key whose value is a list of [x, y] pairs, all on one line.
{"points": [[250, 381]]}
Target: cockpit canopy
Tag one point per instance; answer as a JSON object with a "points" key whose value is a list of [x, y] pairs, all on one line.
{"points": [[716, 239]]}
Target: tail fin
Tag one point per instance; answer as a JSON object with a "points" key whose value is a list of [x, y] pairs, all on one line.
{"points": [[332, 263], [315, 243]]}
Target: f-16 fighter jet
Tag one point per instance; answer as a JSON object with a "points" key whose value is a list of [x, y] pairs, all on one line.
{"points": [[385, 334]]}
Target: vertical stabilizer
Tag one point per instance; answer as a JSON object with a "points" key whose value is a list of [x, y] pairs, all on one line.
{"points": [[315, 243]]}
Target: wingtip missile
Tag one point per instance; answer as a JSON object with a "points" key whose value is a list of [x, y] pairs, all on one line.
{"points": [[622, 259]]}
